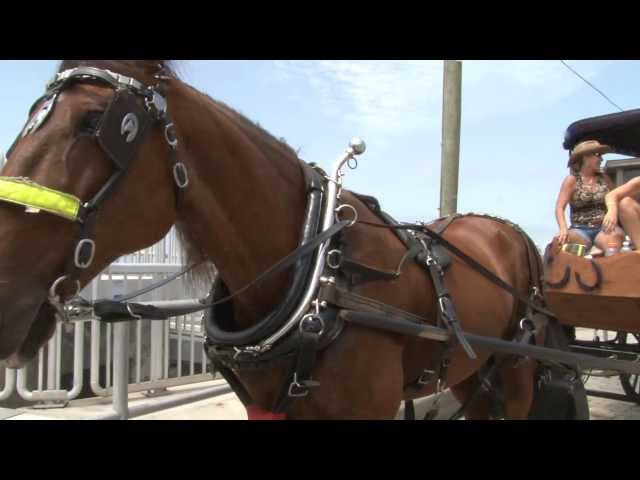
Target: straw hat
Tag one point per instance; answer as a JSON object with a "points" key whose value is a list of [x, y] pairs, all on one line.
{"points": [[587, 147]]}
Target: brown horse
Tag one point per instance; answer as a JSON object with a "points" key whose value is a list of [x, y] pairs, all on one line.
{"points": [[242, 211]]}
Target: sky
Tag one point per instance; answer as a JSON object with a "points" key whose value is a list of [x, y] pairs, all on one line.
{"points": [[514, 115]]}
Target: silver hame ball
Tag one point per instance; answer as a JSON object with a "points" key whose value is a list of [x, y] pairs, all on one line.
{"points": [[358, 145]]}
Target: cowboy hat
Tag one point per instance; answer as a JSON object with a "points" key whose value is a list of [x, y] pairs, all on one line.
{"points": [[588, 147]]}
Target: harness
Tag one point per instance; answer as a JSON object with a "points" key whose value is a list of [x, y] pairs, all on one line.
{"points": [[320, 297]]}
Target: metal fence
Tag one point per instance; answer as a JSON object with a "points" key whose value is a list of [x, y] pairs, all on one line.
{"points": [[78, 361]]}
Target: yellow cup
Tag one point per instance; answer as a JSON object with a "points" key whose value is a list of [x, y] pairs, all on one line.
{"points": [[575, 248]]}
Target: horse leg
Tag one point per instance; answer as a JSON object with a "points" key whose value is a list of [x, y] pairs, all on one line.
{"points": [[518, 388], [480, 408]]}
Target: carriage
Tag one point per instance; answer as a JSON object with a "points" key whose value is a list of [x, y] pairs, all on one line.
{"points": [[601, 294]]}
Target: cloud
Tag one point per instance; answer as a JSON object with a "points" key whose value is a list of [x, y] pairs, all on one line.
{"points": [[391, 96], [404, 96]]}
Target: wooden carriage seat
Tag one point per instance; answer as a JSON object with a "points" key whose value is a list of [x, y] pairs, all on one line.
{"points": [[601, 293]]}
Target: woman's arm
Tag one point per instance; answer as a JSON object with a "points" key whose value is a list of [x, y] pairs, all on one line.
{"points": [[613, 198], [629, 189], [564, 197]]}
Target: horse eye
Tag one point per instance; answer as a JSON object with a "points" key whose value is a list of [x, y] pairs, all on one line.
{"points": [[90, 121]]}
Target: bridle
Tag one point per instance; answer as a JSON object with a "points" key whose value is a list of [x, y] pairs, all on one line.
{"points": [[120, 133]]}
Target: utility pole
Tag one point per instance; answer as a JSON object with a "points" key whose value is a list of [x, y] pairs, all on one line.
{"points": [[451, 102]]}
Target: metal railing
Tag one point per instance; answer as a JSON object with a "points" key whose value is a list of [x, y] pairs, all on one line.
{"points": [[9, 384], [85, 358]]}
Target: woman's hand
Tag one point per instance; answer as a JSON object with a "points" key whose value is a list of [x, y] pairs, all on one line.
{"points": [[563, 235], [610, 221]]}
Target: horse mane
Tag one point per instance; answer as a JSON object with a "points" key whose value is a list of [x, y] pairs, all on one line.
{"points": [[256, 132], [146, 71], [203, 275]]}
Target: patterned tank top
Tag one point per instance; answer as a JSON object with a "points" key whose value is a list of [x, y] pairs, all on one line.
{"points": [[587, 207]]}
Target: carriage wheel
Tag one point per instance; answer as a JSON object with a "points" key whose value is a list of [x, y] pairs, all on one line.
{"points": [[630, 383], [585, 373]]}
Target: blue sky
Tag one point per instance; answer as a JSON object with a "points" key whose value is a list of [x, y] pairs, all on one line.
{"points": [[514, 114]]}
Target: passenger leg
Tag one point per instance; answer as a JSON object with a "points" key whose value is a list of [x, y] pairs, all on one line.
{"points": [[629, 215], [604, 239]]}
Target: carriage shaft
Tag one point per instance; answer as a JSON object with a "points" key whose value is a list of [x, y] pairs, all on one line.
{"points": [[402, 326]]}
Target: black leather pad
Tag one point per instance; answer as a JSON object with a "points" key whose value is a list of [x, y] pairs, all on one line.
{"points": [[122, 142]]}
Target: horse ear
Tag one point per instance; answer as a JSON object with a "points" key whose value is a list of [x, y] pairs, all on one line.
{"points": [[151, 67], [157, 67]]}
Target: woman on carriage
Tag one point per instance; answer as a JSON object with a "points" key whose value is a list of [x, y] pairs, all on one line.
{"points": [[584, 189]]}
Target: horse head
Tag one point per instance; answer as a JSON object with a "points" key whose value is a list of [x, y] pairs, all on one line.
{"points": [[92, 162]]}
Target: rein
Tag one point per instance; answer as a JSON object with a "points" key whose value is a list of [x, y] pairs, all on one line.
{"points": [[113, 311]]}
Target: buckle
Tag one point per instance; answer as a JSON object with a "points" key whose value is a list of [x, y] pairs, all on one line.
{"points": [[527, 324], [57, 302], [334, 259], [158, 102], [180, 175], [250, 351], [312, 323], [77, 257], [432, 262], [303, 387], [443, 307], [425, 378], [170, 135]]}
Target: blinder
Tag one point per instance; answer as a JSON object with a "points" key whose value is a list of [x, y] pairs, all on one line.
{"points": [[123, 128]]}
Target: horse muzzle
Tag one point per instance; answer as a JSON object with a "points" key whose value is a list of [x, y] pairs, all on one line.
{"points": [[27, 321]]}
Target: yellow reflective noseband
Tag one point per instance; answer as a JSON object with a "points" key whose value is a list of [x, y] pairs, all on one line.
{"points": [[35, 197]]}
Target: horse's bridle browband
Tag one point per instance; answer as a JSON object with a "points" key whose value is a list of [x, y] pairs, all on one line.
{"points": [[120, 134]]}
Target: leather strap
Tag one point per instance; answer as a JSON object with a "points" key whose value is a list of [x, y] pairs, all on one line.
{"points": [[300, 381], [445, 304], [467, 259], [348, 300], [107, 310], [409, 410]]}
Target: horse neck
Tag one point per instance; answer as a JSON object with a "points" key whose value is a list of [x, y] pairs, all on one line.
{"points": [[244, 205]]}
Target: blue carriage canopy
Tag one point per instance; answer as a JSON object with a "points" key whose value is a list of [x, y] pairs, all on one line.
{"points": [[621, 131]]}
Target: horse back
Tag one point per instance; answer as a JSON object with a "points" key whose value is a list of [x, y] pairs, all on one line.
{"points": [[501, 247]]}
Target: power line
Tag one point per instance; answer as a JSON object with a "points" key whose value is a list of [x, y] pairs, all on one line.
{"points": [[591, 85]]}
